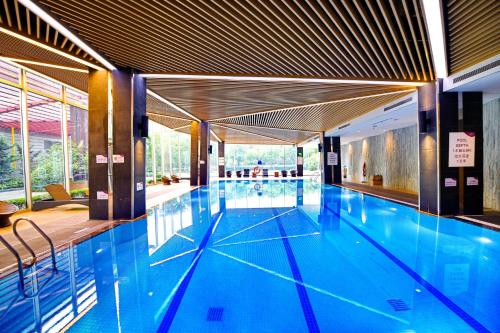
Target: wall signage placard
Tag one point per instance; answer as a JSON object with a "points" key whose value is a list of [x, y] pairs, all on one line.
{"points": [[101, 159], [461, 152], [450, 182], [472, 181], [139, 186], [332, 158], [101, 195], [300, 160], [202, 162], [118, 159], [221, 161]]}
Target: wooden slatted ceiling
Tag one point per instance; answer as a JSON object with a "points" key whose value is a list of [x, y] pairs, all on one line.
{"points": [[170, 122], [285, 135], [372, 39], [213, 99], [473, 32], [16, 18], [314, 118], [235, 136], [75, 79], [154, 105]]}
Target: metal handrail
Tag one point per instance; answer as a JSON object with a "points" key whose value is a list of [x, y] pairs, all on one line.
{"points": [[16, 254], [41, 232]]}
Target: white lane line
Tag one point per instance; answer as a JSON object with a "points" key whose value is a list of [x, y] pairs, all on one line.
{"points": [[268, 239], [319, 290], [253, 226], [173, 257], [185, 237]]}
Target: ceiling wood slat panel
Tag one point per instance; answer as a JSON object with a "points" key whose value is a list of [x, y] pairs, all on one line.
{"points": [[328, 39], [473, 32]]}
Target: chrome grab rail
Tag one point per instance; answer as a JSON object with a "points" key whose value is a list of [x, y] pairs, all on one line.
{"points": [[16, 254], [30, 250]]}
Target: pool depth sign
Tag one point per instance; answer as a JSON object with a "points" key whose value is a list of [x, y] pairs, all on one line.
{"points": [[461, 153]]}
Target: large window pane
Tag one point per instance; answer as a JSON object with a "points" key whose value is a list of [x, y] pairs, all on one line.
{"points": [[45, 143], [214, 166], [272, 157], [11, 154], [10, 72], [42, 84], [76, 97], [78, 136], [311, 158]]}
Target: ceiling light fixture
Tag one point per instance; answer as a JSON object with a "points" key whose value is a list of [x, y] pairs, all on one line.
{"points": [[158, 97], [44, 64], [434, 19], [65, 32], [278, 79]]}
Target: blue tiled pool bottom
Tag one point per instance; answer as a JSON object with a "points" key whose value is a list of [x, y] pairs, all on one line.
{"points": [[273, 256]]}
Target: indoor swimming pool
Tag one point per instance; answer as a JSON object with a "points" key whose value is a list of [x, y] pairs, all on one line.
{"points": [[269, 256]]}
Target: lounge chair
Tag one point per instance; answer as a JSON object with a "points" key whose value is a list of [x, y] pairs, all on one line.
{"points": [[246, 172], [6, 210], [265, 172], [166, 181], [60, 197], [229, 174], [238, 174], [276, 174], [175, 179], [293, 173], [284, 173]]}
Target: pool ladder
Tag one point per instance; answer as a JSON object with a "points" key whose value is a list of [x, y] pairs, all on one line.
{"points": [[21, 265]]}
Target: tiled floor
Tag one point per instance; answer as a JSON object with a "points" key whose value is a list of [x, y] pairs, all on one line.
{"points": [[69, 223]]}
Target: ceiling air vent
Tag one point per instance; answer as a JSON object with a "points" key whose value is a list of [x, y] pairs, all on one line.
{"points": [[395, 105], [344, 126], [476, 71]]}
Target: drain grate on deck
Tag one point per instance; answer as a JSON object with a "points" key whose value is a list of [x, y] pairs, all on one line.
{"points": [[398, 304], [215, 314]]}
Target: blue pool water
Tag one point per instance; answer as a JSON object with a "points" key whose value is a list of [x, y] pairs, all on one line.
{"points": [[272, 256]]}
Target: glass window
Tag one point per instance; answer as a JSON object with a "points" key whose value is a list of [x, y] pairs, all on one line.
{"points": [[11, 152], [45, 144], [44, 85], [311, 158], [272, 157], [214, 159], [78, 137], [76, 97], [10, 72]]}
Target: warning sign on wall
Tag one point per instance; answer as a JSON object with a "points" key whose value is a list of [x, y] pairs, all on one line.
{"points": [[461, 153], [332, 158]]}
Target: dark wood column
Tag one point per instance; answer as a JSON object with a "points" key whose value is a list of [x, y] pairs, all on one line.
{"points": [[204, 153], [222, 168], [428, 148], [98, 88], [129, 107], [195, 152], [326, 170], [337, 168], [300, 161], [471, 197]]}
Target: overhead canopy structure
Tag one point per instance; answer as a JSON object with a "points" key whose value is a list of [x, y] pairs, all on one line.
{"points": [[275, 71]]}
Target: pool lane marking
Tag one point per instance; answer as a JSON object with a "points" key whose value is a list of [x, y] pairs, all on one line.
{"points": [[173, 257], [255, 225], [180, 289], [308, 286], [268, 239], [184, 237], [305, 302], [471, 321]]}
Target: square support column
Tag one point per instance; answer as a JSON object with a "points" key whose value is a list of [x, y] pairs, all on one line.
{"points": [[99, 90], [443, 189], [129, 148], [195, 153], [326, 170], [204, 153], [222, 168], [300, 161]]}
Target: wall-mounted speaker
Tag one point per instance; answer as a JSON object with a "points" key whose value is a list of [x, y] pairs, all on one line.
{"points": [[423, 122], [210, 149], [144, 127], [320, 147]]}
